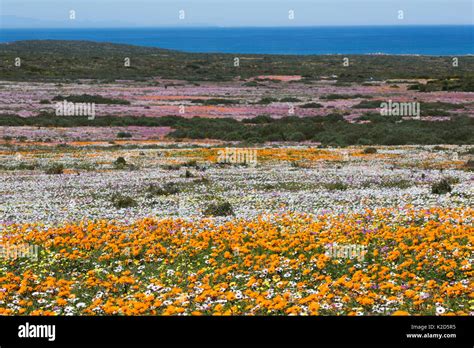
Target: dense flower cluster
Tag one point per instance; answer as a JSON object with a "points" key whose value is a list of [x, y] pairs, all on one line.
{"points": [[418, 261]]}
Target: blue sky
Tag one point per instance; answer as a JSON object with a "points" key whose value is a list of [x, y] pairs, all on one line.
{"points": [[229, 13]]}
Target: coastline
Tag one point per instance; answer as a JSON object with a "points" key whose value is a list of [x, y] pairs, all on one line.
{"points": [[404, 40]]}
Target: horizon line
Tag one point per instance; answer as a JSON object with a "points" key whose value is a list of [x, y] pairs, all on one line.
{"points": [[197, 26]]}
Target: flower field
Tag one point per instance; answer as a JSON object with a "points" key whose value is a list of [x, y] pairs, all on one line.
{"points": [[418, 262], [164, 253]]}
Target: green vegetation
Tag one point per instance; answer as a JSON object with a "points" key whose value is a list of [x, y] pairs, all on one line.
{"points": [[215, 101], [330, 130], [53, 60], [370, 150], [169, 188], [438, 108], [55, 169], [401, 184], [259, 119], [120, 163], [120, 201], [267, 100], [333, 186], [124, 135], [345, 96], [465, 83], [87, 98], [311, 106], [219, 209], [368, 104], [290, 100], [442, 187]]}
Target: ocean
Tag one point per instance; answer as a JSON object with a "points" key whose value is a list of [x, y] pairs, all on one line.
{"points": [[422, 40]]}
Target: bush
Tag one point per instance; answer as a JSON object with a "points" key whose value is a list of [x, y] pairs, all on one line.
{"points": [[171, 166], [87, 98], [215, 101], [290, 100], [368, 104], [120, 162], [188, 174], [336, 186], [297, 136], [55, 169], [124, 135], [401, 184], [219, 209], [370, 150], [262, 119], [311, 106], [345, 96], [120, 201], [251, 84], [267, 100], [170, 188], [441, 187]]}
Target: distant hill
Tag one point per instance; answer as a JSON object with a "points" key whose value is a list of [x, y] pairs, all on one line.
{"points": [[65, 60]]}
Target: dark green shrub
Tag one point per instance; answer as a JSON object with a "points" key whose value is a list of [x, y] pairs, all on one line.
{"points": [[370, 150], [442, 187], [120, 162], [251, 84], [56, 169], [311, 106], [170, 188], [86, 98], [297, 136], [124, 135], [290, 100], [258, 119], [401, 184], [267, 100], [171, 166], [188, 174], [120, 201], [215, 101], [339, 186], [219, 209], [368, 104]]}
